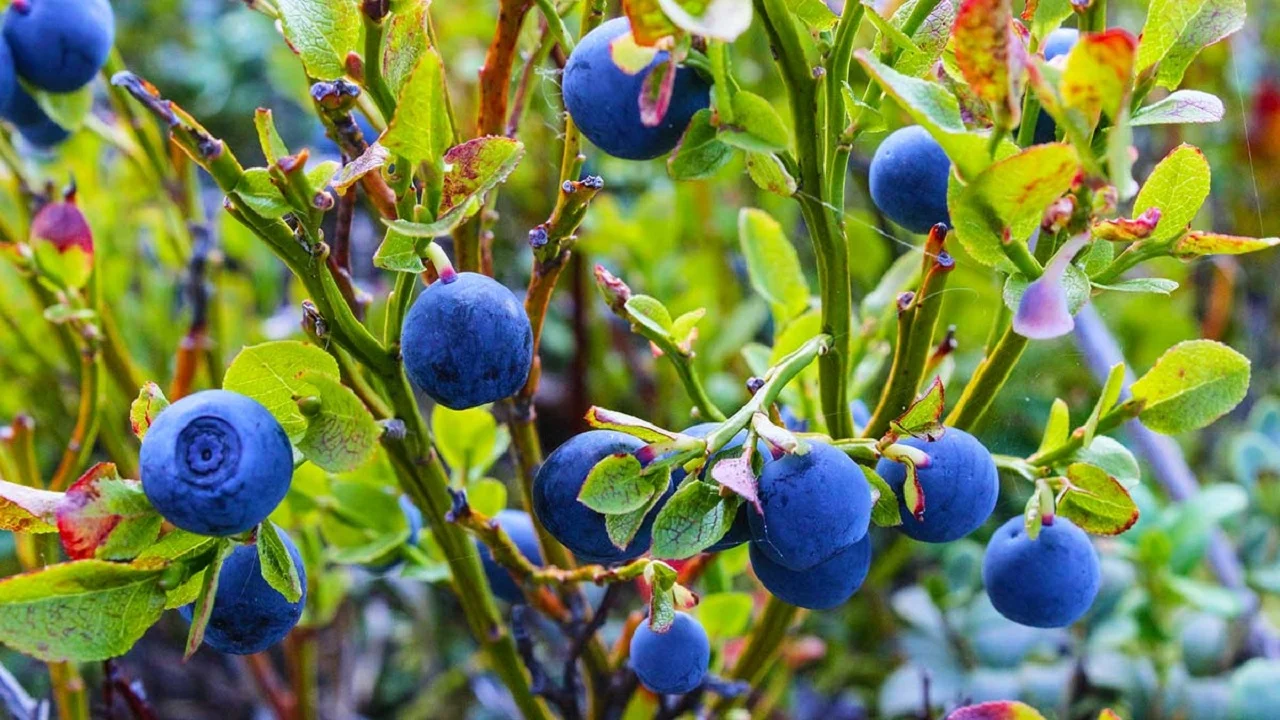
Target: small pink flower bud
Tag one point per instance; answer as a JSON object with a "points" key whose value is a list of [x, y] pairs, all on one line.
{"points": [[1044, 313]]}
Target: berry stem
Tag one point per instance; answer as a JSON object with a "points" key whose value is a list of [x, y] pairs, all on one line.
{"points": [[987, 380], [917, 326], [440, 261], [826, 233]]}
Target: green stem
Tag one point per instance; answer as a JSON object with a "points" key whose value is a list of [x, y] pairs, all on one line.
{"points": [[762, 646], [374, 81], [839, 147], [555, 24], [987, 381], [828, 239], [1118, 415]]}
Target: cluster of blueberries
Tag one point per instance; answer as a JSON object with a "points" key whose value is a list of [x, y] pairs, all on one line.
{"points": [[57, 46]]}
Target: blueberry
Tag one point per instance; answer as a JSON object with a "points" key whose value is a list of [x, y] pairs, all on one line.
{"points": [[738, 533], [8, 77], [604, 101], [519, 526], [249, 615], [814, 505], [960, 486], [33, 124], [672, 662], [1255, 690], [908, 178], [574, 525], [821, 587], [861, 413], [391, 559], [59, 45], [1205, 647], [1058, 43], [1047, 582], [216, 463], [467, 341]]}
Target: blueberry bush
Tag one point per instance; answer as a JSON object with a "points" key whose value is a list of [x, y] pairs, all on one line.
{"points": [[360, 333]]}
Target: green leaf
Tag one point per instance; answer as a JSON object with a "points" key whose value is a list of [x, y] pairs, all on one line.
{"points": [[322, 32], [725, 615], [1106, 400], [768, 173], [772, 264], [406, 39], [1158, 286], [105, 516], [756, 125], [477, 166], [143, 410], [622, 529], [885, 512], [81, 611], [648, 313], [1216, 20], [923, 419], [421, 129], [343, 434], [1114, 458], [273, 147], [277, 565], [1178, 186], [1207, 597], [28, 510], [930, 39], [1009, 198], [68, 110], [605, 419], [1182, 107], [464, 438], [487, 496], [987, 56], [937, 111], [715, 19], [1192, 384], [1198, 244], [1032, 520], [869, 118], [694, 519], [271, 373], [363, 523], [1099, 74], [1167, 21], [257, 191], [1057, 427], [191, 552], [1047, 16], [813, 13], [399, 249], [616, 485], [1096, 502], [700, 153], [202, 609], [321, 175]]}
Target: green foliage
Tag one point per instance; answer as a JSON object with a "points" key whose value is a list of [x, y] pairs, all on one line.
{"points": [[1192, 385]]}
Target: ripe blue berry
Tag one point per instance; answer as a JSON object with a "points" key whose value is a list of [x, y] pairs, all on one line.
{"points": [[8, 77], [821, 587], [216, 463], [576, 526], [814, 505], [960, 486], [908, 178], [467, 341], [392, 559], [59, 45], [1047, 582], [249, 615], [519, 525], [672, 662], [33, 124], [604, 101], [1255, 690]]}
